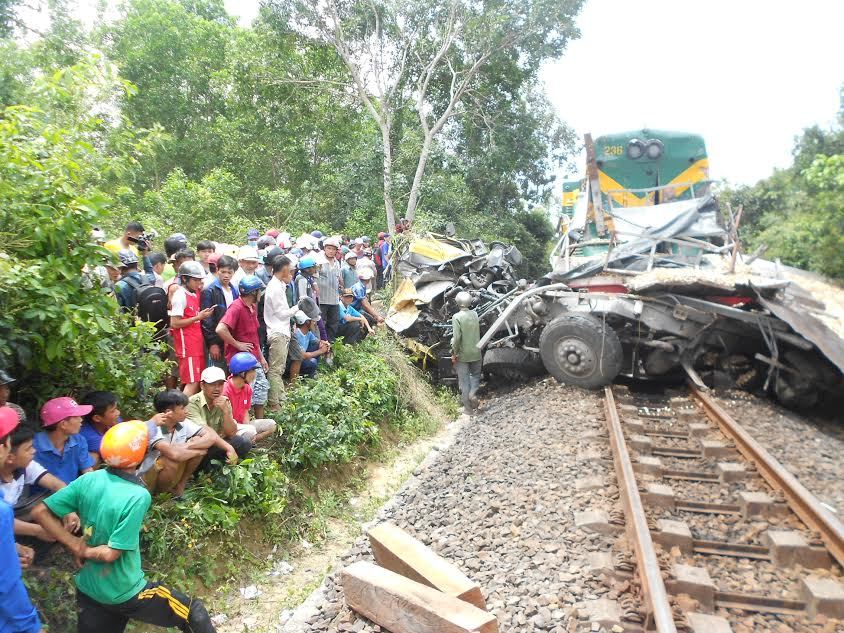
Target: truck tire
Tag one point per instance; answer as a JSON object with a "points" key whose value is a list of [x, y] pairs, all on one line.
{"points": [[512, 364], [578, 349], [798, 391]]}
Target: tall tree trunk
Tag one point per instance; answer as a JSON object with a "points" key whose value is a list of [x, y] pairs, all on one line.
{"points": [[388, 177], [413, 197]]}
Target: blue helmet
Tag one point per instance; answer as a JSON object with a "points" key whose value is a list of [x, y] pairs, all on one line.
{"points": [[249, 284], [317, 234], [306, 262], [242, 362]]}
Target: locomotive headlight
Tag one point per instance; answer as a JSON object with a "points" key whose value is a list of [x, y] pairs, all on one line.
{"points": [[635, 148], [654, 149]]}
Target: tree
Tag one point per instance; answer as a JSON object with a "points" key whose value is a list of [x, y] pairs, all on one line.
{"points": [[59, 333], [798, 212], [429, 56]]}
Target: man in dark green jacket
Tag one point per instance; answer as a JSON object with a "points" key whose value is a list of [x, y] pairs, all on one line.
{"points": [[464, 351]]}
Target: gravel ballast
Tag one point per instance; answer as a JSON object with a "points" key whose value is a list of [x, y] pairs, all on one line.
{"points": [[810, 446], [499, 503]]}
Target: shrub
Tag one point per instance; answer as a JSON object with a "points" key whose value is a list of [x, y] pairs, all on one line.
{"points": [[191, 534]]}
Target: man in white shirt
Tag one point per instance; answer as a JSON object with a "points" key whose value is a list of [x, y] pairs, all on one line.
{"points": [[248, 259], [277, 315]]}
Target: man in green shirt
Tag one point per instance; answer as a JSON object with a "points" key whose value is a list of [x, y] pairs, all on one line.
{"points": [[211, 408], [111, 587], [465, 354]]}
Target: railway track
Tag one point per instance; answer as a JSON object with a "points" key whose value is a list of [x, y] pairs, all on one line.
{"points": [[724, 537]]}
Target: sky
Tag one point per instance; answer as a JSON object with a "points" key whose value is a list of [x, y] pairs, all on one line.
{"points": [[748, 75]]}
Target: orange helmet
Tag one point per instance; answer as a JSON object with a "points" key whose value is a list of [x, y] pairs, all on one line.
{"points": [[124, 445]]}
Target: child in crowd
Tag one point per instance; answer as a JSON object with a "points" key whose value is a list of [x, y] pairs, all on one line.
{"points": [[190, 441], [104, 415], [310, 345], [237, 389], [353, 326], [6, 382], [185, 316], [219, 295], [111, 588], [59, 448], [158, 261], [18, 473], [17, 613]]}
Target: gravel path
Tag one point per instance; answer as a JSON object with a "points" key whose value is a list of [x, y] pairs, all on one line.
{"points": [[499, 503], [810, 446]]}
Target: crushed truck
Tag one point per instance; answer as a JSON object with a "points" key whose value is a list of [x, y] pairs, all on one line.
{"points": [[646, 280]]}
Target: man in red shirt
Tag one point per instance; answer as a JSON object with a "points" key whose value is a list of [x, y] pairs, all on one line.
{"points": [[185, 315], [239, 330]]}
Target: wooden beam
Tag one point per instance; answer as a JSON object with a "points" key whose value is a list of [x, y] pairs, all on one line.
{"points": [[399, 552], [401, 605]]}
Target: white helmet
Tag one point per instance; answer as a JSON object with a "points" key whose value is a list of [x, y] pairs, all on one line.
{"points": [[463, 299], [249, 254]]}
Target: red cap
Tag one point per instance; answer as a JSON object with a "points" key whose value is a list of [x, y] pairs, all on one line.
{"points": [[213, 258], [273, 232], [9, 420], [57, 409]]}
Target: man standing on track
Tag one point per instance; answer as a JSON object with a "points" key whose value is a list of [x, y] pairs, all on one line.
{"points": [[464, 351]]}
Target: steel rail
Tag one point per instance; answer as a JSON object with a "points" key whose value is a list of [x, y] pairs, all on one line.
{"points": [[801, 501], [637, 525]]}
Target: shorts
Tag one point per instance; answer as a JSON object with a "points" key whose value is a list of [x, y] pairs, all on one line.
{"points": [[156, 604], [169, 353], [260, 387], [150, 477], [17, 611], [249, 431], [190, 369], [295, 352]]}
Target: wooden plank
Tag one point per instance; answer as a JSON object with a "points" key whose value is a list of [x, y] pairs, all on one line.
{"points": [[401, 605], [399, 552]]}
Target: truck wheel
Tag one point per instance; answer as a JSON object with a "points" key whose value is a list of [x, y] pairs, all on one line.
{"points": [[578, 349], [798, 391], [512, 364]]}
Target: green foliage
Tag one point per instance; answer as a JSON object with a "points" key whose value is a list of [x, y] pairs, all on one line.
{"points": [[58, 330], [798, 213], [187, 536], [327, 420]]}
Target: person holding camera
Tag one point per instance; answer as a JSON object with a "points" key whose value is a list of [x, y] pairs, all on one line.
{"points": [[136, 240]]}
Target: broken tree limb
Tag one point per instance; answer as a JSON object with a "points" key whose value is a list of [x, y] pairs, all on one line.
{"points": [[737, 244], [401, 605]]}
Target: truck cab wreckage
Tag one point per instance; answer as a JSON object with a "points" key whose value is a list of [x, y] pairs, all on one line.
{"points": [[656, 288]]}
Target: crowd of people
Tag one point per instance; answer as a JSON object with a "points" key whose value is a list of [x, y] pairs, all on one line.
{"points": [[241, 323]]}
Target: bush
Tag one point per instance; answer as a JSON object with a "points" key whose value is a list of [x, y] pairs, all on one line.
{"points": [[188, 535], [59, 333], [327, 419]]}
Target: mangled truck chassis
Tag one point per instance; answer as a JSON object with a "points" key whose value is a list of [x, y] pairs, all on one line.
{"points": [[750, 331], [589, 338]]}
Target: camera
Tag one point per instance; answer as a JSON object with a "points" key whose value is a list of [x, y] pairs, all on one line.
{"points": [[144, 242]]}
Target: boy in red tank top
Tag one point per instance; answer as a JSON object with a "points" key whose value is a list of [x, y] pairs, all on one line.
{"points": [[185, 315]]}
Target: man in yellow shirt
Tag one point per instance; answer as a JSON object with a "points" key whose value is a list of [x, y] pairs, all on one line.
{"points": [[129, 240]]}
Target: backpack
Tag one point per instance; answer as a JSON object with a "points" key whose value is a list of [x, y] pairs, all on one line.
{"points": [[151, 302]]}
